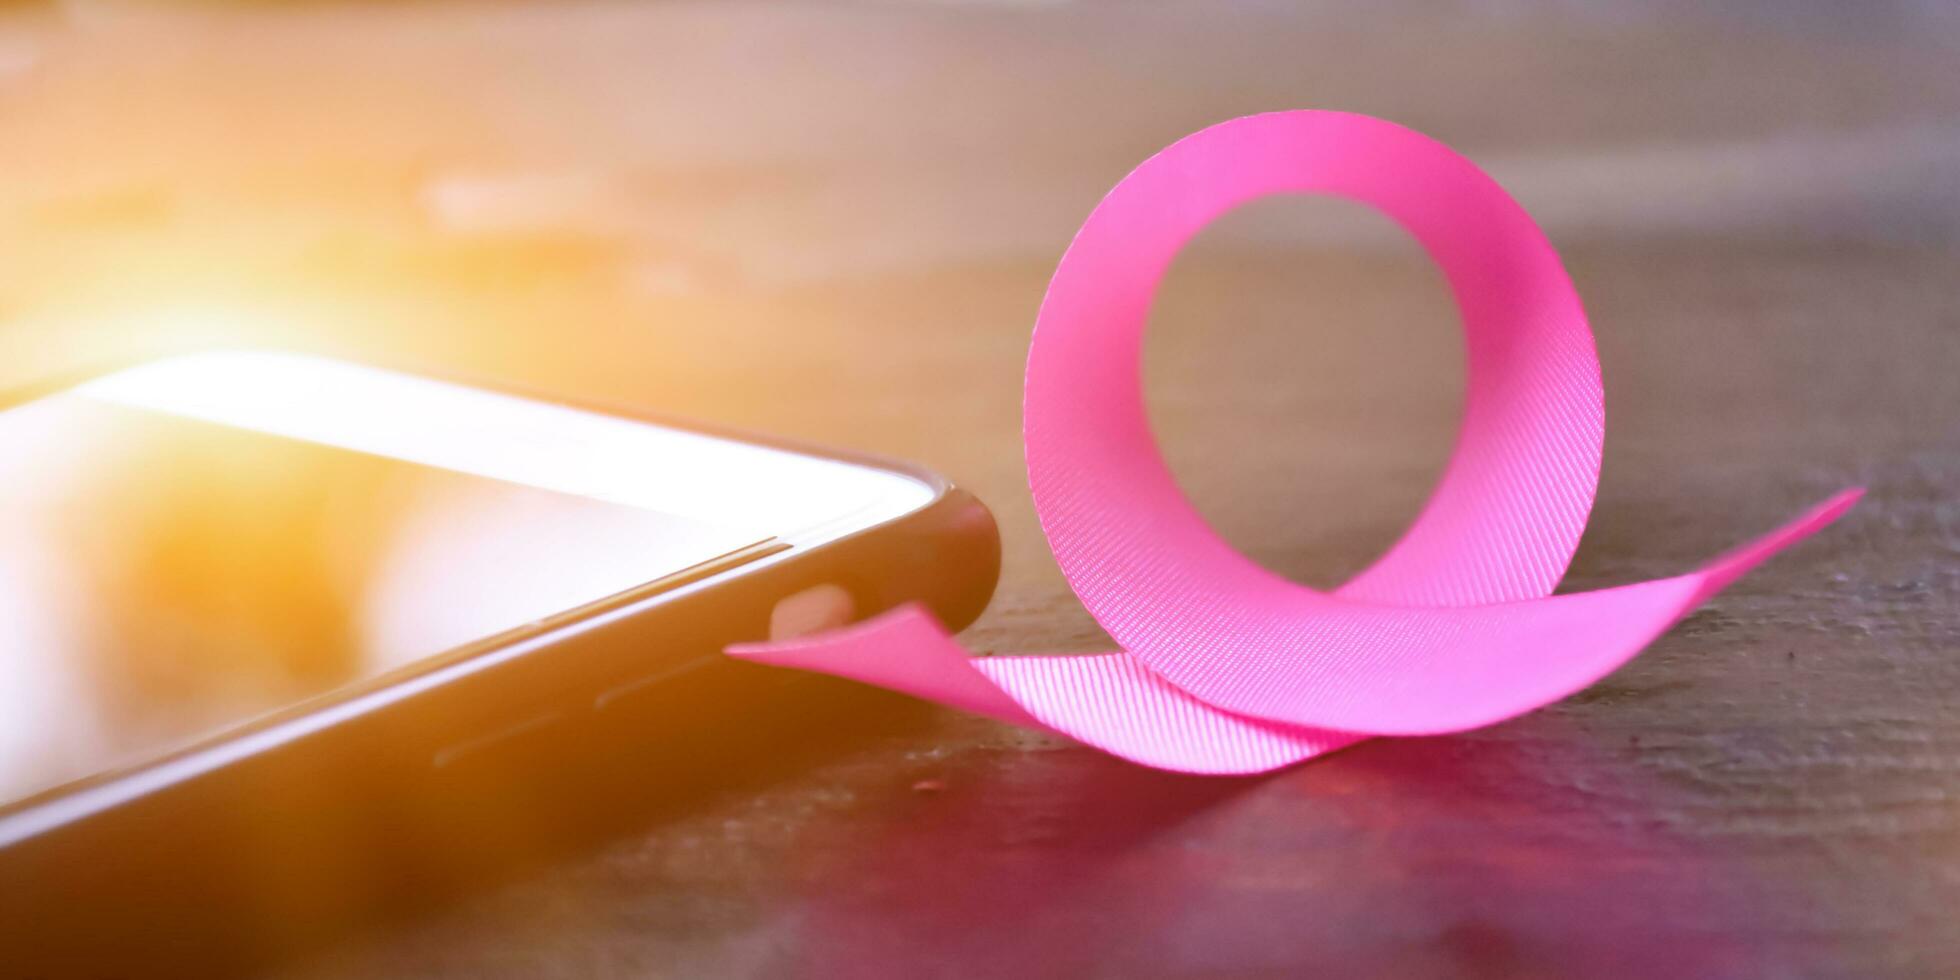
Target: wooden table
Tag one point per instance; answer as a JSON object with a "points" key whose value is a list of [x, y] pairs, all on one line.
{"points": [[835, 221]]}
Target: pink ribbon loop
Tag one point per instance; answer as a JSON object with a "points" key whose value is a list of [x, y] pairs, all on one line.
{"points": [[1225, 667]]}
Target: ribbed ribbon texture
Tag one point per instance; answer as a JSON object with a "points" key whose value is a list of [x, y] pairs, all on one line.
{"points": [[1225, 667]]}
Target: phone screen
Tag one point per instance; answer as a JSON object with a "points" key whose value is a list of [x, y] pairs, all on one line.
{"points": [[191, 544]]}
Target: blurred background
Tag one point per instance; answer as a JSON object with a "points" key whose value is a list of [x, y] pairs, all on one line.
{"points": [[834, 220], [739, 210]]}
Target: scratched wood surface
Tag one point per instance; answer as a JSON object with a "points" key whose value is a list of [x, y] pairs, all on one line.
{"points": [[835, 221]]}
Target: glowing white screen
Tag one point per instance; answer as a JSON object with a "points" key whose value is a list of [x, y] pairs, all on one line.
{"points": [[483, 433]]}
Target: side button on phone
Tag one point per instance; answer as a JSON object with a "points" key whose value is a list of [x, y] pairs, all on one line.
{"points": [[608, 698], [448, 756], [813, 610]]}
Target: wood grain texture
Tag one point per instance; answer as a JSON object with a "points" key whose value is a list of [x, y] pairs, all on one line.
{"points": [[836, 222]]}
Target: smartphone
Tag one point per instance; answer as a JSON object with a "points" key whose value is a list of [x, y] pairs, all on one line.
{"points": [[283, 610]]}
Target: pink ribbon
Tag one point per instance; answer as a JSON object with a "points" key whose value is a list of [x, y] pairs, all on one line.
{"points": [[1226, 667]]}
